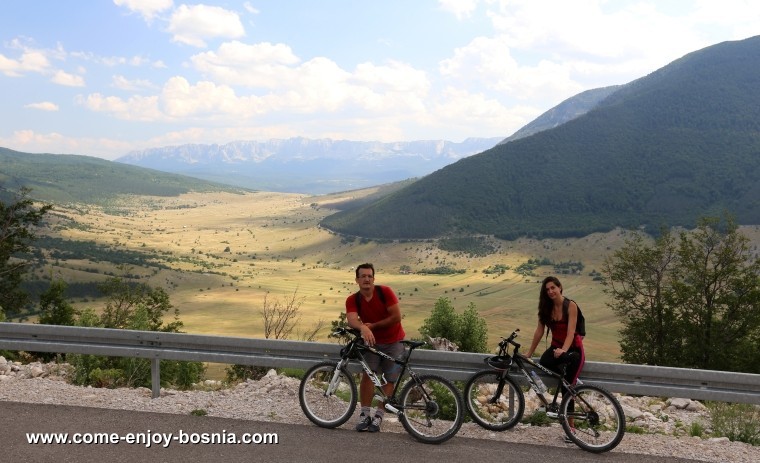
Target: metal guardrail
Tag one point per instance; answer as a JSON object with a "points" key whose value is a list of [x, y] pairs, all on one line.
{"points": [[156, 346]]}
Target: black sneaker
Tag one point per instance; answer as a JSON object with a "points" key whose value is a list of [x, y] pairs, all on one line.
{"points": [[375, 424], [364, 423]]}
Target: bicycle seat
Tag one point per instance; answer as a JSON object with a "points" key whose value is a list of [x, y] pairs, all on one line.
{"points": [[414, 344]]}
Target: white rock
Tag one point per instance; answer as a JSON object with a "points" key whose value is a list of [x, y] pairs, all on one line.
{"points": [[679, 403]]}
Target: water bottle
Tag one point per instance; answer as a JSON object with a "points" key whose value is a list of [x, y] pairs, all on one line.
{"points": [[537, 379]]}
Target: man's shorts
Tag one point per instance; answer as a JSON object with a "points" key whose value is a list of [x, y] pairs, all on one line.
{"points": [[379, 365]]}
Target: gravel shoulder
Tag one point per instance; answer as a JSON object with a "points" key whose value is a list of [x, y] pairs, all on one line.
{"points": [[274, 398]]}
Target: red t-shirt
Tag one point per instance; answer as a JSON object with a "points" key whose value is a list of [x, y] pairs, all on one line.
{"points": [[374, 310]]}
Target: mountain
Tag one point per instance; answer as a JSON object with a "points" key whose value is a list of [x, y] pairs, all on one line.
{"points": [[60, 178], [665, 149], [301, 165], [569, 109]]}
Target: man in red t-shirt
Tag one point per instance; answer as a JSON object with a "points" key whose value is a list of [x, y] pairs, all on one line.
{"points": [[378, 317]]}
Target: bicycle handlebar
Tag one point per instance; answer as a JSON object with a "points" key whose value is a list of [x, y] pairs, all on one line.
{"points": [[346, 331], [510, 340]]}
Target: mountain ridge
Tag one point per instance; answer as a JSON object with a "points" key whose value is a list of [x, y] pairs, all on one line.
{"points": [[68, 178], [303, 165], [663, 150]]}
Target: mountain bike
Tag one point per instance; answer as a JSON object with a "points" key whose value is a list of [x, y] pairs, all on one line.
{"points": [[428, 406], [591, 416]]}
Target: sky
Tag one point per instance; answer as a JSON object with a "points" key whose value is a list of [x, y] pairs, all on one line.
{"points": [[106, 77]]}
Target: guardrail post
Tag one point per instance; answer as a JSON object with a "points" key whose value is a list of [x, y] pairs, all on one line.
{"points": [[155, 377]]}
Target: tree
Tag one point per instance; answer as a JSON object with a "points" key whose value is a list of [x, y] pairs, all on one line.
{"points": [[717, 291], [691, 303], [473, 331], [280, 317], [468, 331], [638, 278], [17, 221], [54, 308], [125, 298], [442, 322], [131, 306]]}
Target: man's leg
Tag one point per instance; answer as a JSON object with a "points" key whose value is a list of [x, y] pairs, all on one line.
{"points": [[391, 371], [366, 392]]}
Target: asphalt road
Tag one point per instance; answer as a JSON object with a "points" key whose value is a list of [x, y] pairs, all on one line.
{"points": [[296, 443]]}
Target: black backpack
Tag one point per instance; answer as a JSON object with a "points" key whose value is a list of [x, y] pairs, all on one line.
{"points": [[378, 292], [580, 324]]}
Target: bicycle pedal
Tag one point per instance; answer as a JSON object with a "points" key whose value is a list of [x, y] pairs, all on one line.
{"points": [[551, 414], [391, 408]]}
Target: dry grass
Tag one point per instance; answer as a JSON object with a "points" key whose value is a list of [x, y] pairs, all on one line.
{"points": [[263, 243]]}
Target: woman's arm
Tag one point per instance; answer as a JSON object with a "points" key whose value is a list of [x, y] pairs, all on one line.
{"points": [[536, 338]]}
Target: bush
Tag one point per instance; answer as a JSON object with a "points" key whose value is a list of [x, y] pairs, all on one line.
{"points": [[237, 373], [109, 378], [696, 429], [738, 422], [467, 330], [538, 418]]}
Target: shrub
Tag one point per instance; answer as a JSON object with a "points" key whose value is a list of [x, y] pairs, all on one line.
{"points": [[738, 422], [538, 418]]}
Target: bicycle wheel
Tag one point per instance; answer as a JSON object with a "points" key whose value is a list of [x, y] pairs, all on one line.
{"points": [[328, 409], [432, 408], [598, 420], [496, 412]]}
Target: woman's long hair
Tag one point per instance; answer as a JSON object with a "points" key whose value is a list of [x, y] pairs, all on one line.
{"points": [[545, 304]]}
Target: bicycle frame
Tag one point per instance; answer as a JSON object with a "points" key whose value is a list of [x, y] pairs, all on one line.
{"points": [[591, 416], [520, 360], [358, 348]]}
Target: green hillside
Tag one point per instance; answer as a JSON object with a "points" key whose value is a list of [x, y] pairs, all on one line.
{"points": [[670, 147], [62, 179]]}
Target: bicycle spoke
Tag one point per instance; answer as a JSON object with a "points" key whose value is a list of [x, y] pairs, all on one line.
{"points": [[432, 408], [322, 407], [490, 406], [595, 420]]}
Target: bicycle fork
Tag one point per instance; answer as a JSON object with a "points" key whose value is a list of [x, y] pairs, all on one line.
{"points": [[335, 380]]}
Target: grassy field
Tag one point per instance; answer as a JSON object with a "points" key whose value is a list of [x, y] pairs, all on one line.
{"points": [[228, 252]]}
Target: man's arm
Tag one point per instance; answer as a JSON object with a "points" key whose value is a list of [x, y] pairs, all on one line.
{"points": [[394, 316], [352, 318]]}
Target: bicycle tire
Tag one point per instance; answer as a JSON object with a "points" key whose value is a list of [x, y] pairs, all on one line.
{"points": [[327, 411], [599, 420], [491, 412], [433, 410]]}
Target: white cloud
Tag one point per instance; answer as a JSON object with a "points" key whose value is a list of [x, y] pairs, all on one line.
{"points": [[148, 9], [179, 99], [317, 84], [538, 53], [30, 141], [135, 108], [259, 65], [114, 61], [43, 106], [475, 114], [460, 8], [66, 79], [30, 61], [193, 25], [122, 83], [487, 64], [250, 8]]}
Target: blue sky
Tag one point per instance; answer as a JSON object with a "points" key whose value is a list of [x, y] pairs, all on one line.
{"points": [[105, 77]]}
